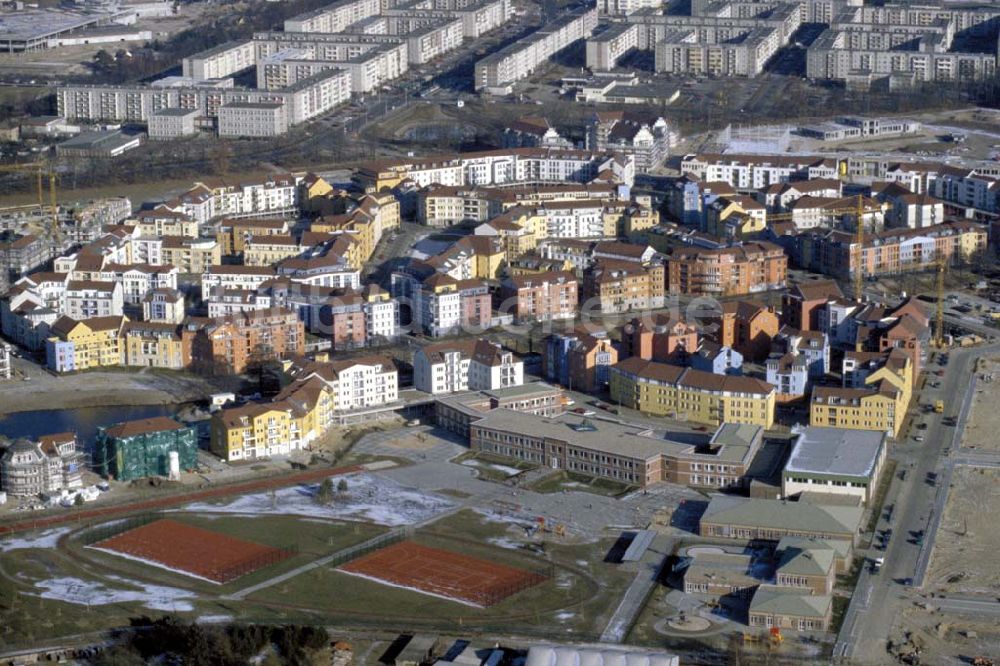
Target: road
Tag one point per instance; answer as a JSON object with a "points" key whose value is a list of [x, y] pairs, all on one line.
{"points": [[918, 504]]}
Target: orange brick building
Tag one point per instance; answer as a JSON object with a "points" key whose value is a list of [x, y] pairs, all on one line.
{"points": [[228, 345], [731, 271]]}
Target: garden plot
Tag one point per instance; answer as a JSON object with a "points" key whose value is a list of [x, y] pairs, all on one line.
{"points": [[368, 498]]}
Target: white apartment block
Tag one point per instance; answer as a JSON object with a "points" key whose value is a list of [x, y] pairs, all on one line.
{"points": [[426, 44], [492, 367], [277, 196], [85, 299], [163, 306], [626, 7], [172, 123], [606, 48], [443, 367], [500, 70], [6, 367], [221, 61], [746, 172], [224, 278], [260, 119], [363, 382], [335, 17], [690, 52], [136, 103]]}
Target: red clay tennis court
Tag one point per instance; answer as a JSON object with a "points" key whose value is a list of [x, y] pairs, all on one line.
{"points": [[443, 573], [193, 551]]}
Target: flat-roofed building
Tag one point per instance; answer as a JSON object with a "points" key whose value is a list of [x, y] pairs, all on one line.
{"points": [[623, 453], [835, 461], [173, 123], [260, 119], [220, 61], [456, 413]]}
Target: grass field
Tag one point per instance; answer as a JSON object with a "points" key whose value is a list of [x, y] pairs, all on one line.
{"points": [[556, 483]]}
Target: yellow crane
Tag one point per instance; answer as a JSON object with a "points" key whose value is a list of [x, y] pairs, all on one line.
{"points": [[942, 266], [41, 169]]}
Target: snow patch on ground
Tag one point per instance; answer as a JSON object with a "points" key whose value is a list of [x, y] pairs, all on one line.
{"points": [[565, 615], [494, 516], [92, 593], [503, 469], [380, 581], [215, 619], [46, 539], [153, 563], [504, 542], [370, 498]]}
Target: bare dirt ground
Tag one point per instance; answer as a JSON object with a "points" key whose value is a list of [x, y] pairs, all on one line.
{"points": [[964, 559], [941, 639], [100, 389], [984, 419]]}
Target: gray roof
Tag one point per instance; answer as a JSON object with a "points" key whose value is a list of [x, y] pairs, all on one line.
{"points": [[783, 515], [836, 452], [786, 601], [176, 111], [806, 557]]}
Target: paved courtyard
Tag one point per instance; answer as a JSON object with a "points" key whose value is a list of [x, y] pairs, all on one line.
{"points": [[582, 513]]}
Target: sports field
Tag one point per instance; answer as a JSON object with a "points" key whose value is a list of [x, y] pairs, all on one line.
{"points": [[192, 551], [443, 573]]}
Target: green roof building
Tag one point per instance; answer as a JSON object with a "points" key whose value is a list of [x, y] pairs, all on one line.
{"points": [[788, 608], [137, 449]]}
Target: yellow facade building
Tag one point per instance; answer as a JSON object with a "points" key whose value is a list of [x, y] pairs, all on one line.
{"points": [[85, 344], [880, 404], [155, 345], [694, 395]]}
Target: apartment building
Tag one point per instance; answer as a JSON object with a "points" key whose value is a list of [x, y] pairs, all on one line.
{"points": [[802, 304], [533, 132], [48, 465], [220, 61], [230, 344], [84, 299], [357, 383], [747, 268], [252, 119], [161, 221], [688, 52], [657, 337], [880, 405], [440, 304], [646, 137], [135, 103], [501, 168], [6, 366], [493, 368], [334, 17], [501, 69], [229, 277], [540, 297], [890, 252], [164, 306], [582, 361], [172, 123], [19, 255], [621, 286], [257, 431], [84, 344], [607, 47], [147, 344], [618, 452], [661, 389], [191, 256], [476, 365], [755, 172]]}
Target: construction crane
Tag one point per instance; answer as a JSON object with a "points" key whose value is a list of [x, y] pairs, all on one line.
{"points": [[41, 170], [942, 266], [858, 211]]}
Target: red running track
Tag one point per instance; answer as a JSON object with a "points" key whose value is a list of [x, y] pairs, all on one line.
{"points": [[155, 504]]}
